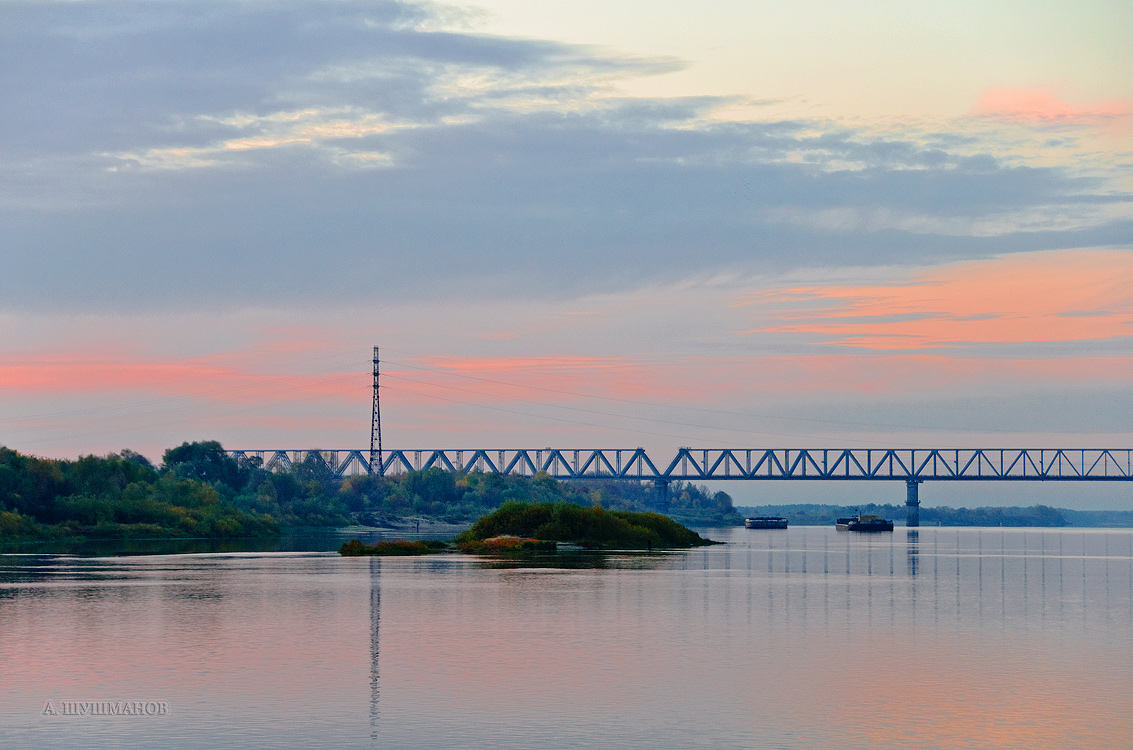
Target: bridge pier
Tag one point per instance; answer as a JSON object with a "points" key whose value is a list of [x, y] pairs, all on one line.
{"points": [[661, 495], [912, 503]]}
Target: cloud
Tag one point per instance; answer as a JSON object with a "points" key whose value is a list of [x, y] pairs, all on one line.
{"points": [[1051, 297], [194, 155], [810, 358], [1043, 106], [102, 77], [209, 378]]}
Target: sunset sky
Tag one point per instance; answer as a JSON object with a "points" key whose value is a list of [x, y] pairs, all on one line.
{"points": [[586, 224]]}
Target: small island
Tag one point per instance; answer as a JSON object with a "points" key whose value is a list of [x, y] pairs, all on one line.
{"points": [[540, 527]]}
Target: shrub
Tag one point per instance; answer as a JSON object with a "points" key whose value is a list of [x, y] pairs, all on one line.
{"points": [[397, 547], [588, 527], [507, 544]]}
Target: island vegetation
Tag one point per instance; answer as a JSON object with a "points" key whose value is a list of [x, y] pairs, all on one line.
{"points": [[394, 547], [592, 527], [540, 527]]}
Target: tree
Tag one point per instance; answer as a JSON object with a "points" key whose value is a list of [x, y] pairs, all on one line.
{"points": [[135, 458], [431, 485], [205, 461]]}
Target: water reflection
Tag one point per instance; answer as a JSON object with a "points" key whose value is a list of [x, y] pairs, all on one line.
{"points": [[322, 541], [750, 644], [565, 560], [580, 559], [912, 539], [972, 575], [375, 641], [311, 541]]}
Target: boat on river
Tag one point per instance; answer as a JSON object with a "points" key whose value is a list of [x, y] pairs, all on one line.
{"points": [[765, 522], [864, 523]]}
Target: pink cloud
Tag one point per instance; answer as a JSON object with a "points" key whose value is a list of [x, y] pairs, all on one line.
{"points": [[1043, 105], [519, 382], [212, 378], [539, 378], [724, 381], [1036, 297], [913, 336]]}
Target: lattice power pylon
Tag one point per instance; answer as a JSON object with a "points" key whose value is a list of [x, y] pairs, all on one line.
{"points": [[376, 422]]}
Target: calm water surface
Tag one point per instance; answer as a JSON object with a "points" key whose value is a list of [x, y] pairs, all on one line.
{"points": [[806, 638]]}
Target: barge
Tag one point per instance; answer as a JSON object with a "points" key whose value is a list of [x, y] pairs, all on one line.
{"points": [[864, 523], [765, 522]]}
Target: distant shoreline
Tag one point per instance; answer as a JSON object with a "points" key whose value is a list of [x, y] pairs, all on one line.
{"points": [[1035, 516]]}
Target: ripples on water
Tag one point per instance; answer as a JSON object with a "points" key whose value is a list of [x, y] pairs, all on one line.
{"points": [[805, 638]]}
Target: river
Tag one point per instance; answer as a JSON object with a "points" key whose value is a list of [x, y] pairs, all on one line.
{"points": [[805, 638]]}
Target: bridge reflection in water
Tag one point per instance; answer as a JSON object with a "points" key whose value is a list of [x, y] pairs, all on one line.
{"points": [[910, 465], [970, 572]]}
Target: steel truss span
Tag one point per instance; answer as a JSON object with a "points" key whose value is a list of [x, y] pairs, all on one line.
{"points": [[689, 464]]}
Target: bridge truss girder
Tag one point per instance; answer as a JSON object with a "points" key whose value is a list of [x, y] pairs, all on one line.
{"points": [[770, 464]]}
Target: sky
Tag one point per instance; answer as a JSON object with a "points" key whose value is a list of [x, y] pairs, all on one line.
{"points": [[657, 224]]}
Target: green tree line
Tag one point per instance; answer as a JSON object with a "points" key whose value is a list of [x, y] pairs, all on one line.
{"points": [[464, 497], [117, 496], [201, 491]]}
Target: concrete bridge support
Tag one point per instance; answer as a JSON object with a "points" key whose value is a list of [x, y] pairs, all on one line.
{"points": [[912, 503], [661, 495]]}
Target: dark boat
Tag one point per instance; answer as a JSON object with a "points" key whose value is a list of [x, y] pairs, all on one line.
{"points": [[864, 523], [765, 522]]}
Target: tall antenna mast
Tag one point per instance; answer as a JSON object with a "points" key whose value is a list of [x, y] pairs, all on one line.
{"points": [[376, 423]]}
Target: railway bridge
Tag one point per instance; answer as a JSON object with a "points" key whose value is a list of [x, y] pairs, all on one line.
{"points": [[913, 466]]}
